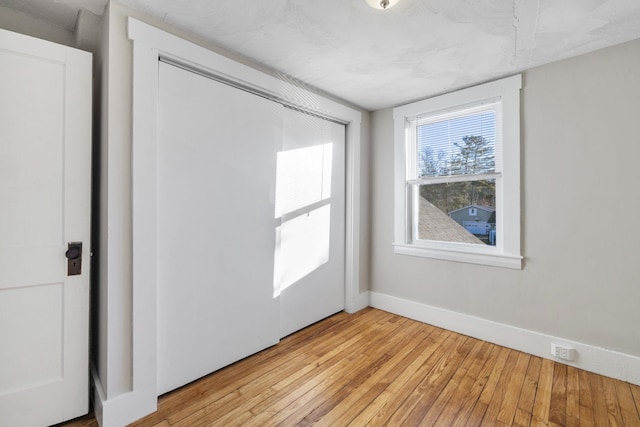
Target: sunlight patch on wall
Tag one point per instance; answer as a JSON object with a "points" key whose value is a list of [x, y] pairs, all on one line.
{"points": [[303, 191], [303, 177], [302, 245]]}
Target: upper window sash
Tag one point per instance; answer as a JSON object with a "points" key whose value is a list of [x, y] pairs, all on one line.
{"points": [[444, 144], [458, 111]]}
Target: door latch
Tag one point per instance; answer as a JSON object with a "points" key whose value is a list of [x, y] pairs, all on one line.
{"points": [[74, 258]]}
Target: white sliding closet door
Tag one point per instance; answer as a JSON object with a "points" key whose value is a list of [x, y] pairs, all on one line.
{"points": [[217, 149], [310, 203]]}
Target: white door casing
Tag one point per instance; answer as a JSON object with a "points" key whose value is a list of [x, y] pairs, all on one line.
{"points": [[149, 44], [45, 187]]}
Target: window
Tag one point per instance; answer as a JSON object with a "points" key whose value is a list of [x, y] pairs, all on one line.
{"points": [[457, 185]]}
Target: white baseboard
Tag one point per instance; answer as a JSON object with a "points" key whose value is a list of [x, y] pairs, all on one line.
{"points": [[122, 409], [601, 361], [359, 302]]}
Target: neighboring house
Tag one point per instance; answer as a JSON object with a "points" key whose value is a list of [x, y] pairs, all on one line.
{"points": [[476, 219], [436, 225]]}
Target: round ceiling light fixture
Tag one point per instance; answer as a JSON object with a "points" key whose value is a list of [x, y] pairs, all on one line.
{"points": [[382, 4]]}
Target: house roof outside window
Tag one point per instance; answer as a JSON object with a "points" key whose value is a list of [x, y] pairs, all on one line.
{"points": [[436, 225]]}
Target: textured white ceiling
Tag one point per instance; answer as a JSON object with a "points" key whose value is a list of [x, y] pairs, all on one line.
{"points": [[381, 58]]}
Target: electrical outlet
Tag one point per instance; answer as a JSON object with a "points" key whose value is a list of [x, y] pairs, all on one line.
{"points": [[562, 351]]}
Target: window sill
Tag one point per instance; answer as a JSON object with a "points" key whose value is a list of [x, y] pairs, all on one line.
{"points": [[472, 257]]}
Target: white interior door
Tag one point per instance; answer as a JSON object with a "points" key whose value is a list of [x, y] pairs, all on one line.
{"points": [[217, 150], [310, 205], [45, 141]]}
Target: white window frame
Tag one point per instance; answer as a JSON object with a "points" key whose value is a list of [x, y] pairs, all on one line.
{"points": [[506, 252]]}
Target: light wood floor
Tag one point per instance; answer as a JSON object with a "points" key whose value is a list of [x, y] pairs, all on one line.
{"points": [[375, 368]]}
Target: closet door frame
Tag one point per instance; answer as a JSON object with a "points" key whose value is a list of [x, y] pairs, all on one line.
{"points": [[149, 45]]}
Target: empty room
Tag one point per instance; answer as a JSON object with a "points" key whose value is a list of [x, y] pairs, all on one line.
{"points": [[332, 213]]}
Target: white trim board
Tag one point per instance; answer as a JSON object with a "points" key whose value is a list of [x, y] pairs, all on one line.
{"points": [[359, 302], [118, 411], [599, 360]]}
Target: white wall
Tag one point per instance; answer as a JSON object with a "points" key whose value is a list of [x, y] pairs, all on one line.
{"points": [[23, 23], [114, 359], [580, 197]]}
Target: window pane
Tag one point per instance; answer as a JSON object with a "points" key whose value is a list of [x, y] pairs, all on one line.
{"points": [[457, 146], [462, 212]]}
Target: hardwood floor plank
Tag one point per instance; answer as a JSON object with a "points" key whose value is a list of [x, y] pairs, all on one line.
{"points": [[600, 416], [400, 392], [630, 414], [501, 391], [380, 359], [389, 399], [522, 417], [573, 398], [464, 391], [611, 400], [435, 408], [481, 405], [289, 400], [513, 389], [432, 390], [635, 390], [433, 377], [357, 400], [315, 391], [374, 368], [324, 398], [319, 396], [466, 406], [586, 401], [558, 405], [540, 416], [381, 332]]}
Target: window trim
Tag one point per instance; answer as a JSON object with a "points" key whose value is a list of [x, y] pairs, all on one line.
{"points": [[506, 253]]}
